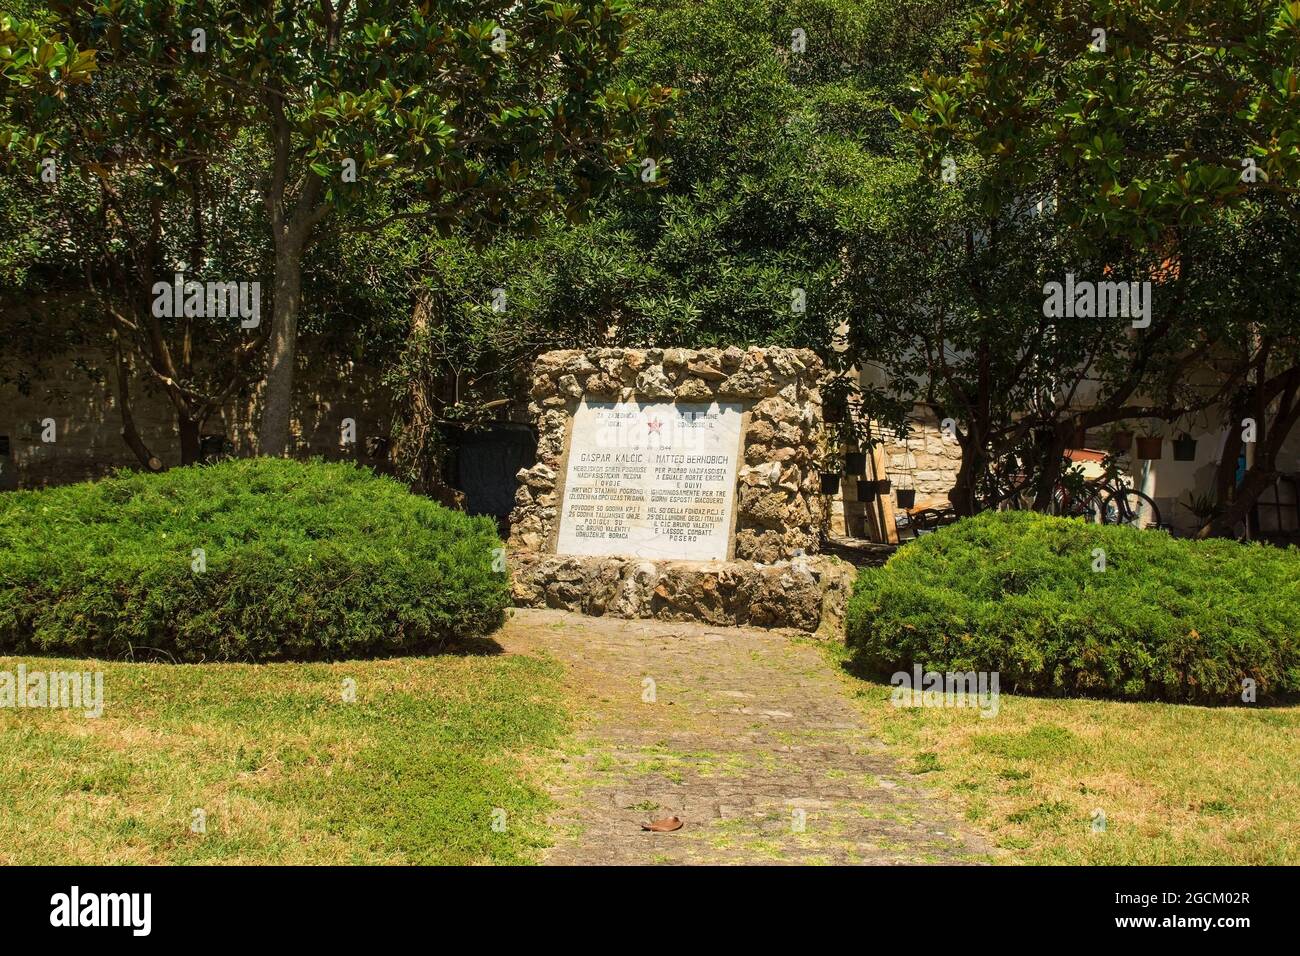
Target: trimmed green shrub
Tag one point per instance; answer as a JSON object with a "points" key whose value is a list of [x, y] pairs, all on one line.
{"points": [[1017, 593], [303, 560]]}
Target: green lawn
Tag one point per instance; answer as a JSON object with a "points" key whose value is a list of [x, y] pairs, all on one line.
{"points": [[1178, 784], [285, 770]]}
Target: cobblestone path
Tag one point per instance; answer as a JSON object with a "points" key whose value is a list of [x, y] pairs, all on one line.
{"points": [[747, 735]]}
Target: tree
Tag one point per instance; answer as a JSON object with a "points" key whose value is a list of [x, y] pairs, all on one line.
{"points": [[480, 114], [123, 213], [741, 243], [36, 63], [1147, 116], [1143, 126], [1254, 308], [949, 301], [38, 68]]}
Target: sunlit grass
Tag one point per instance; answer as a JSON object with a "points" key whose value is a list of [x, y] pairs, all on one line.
{"points": [[283, 768], [1176, 783]]}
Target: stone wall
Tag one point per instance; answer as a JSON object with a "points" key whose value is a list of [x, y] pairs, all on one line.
{"points": [[926, 458], [808, 594], [75, 385], [779, 511]]}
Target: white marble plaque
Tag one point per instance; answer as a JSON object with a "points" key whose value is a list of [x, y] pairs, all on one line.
{"points": [[651, 480]]}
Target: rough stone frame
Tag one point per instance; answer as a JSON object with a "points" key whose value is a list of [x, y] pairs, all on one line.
{"points": [[779, 509], [775, 578]]}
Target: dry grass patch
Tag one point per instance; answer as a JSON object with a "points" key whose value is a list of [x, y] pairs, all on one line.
{"points": [[1176, 783]]}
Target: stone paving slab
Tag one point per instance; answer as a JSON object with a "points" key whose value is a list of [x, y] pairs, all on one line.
{"points": [[750, 738]]}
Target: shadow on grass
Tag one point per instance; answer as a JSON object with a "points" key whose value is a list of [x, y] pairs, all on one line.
{"points": [[481, 646], [863, 672], [475, 646]]}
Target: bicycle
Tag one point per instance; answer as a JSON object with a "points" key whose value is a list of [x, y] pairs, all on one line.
{"points": [[1004, 487], [1106, 500]]}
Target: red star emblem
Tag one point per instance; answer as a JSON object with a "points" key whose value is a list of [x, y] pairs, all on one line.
{"points": [[654, 425]]}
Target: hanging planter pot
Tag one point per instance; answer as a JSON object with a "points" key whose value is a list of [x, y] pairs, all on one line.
{"points": [[1121, 441], [867, 489], [830, 483], [855, 463], [1184, 448], [1150, 447], [906, 497], [832, 414]]}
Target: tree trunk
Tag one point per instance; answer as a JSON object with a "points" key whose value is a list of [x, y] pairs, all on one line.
{"points": [[1263, 471], [130, 434], [277, 405], [1049, 467], [963, 496], [1255, 482], [1225, 475], [191, 440]]}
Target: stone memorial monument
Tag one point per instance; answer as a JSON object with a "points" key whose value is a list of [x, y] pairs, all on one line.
{"points": [[651, 479], [677, 484]]}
